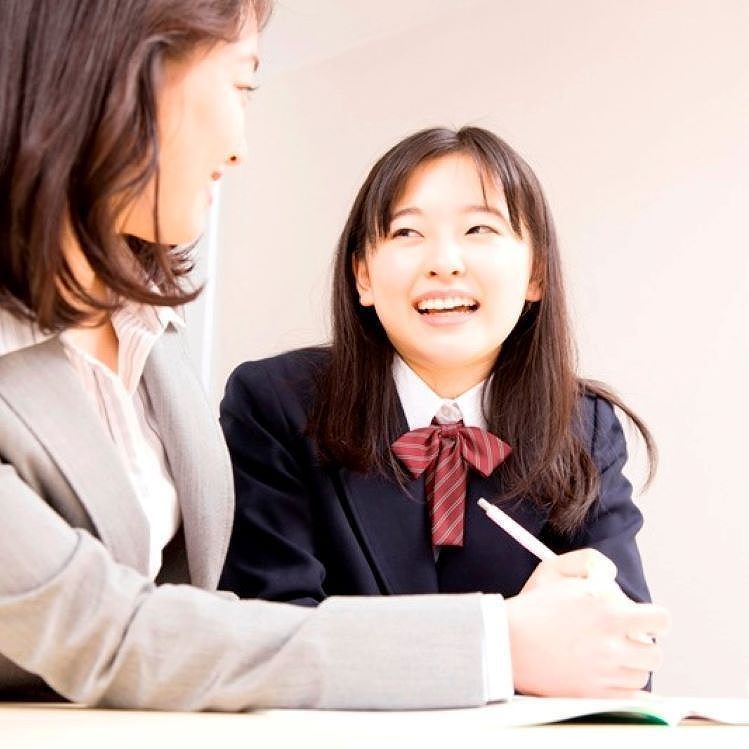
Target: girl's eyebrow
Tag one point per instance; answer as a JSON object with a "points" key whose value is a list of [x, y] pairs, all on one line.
{"points": [[487, 209], [467, 209], [407, 212]]}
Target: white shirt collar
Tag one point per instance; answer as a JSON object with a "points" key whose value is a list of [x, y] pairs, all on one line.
{"points": [[420, 403], [138, 327], [169, 316], [155, 320]]}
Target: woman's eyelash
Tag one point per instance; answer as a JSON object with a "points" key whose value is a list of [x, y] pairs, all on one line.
{"points": [[482, 226]]}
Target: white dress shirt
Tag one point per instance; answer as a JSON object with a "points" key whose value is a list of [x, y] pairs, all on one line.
{"points": [[122, 404], [420, 405]]}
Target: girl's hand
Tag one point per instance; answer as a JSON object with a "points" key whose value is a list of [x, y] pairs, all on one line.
{"points": [[566, 642], [588, 564]]}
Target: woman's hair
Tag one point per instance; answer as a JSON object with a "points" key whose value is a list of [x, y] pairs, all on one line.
{"points": [[78, 142], [533, 400]]}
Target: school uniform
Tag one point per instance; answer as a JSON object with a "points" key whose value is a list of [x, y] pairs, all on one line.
{"points": [[304, 531]]}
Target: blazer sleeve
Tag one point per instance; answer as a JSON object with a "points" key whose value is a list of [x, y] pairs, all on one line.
{"points": [[100, 633], [272, 548], [614, 520]]}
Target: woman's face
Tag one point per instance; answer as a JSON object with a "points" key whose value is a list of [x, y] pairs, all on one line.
{"points": [[201, 105], [450, 278]]}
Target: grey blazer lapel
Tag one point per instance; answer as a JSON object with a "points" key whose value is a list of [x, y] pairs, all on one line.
{"points": [[41, 387], [197, 455]]}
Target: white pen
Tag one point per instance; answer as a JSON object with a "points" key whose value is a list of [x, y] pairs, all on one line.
{"points": [[542, 551], [514, 529]]}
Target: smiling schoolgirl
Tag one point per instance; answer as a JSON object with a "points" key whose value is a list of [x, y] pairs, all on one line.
{"points": [[449, 318]]}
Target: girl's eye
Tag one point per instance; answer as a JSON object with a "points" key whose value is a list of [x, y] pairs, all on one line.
{"points": [[405, 232], [482, 229]]}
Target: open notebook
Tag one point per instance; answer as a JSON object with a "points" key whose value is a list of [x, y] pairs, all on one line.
{"points": [[529, 711]]}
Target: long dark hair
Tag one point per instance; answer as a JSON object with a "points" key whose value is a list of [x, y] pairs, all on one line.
{"points": [[534, 397], [78, 141]]}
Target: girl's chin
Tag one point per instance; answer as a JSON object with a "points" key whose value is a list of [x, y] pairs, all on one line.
{"points": [[438, 360]]}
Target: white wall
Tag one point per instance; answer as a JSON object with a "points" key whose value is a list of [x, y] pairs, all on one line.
{"points": [[635, 115], [199, 315]]}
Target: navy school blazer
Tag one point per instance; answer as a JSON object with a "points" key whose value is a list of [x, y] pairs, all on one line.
{"points": [[303, 532]]}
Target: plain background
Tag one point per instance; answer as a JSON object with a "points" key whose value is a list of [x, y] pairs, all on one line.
{"points": [[635, 116]]}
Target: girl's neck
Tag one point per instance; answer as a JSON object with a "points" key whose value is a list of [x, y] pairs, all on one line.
{"points": [[450, 382]]}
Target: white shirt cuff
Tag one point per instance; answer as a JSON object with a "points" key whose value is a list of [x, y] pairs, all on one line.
{"points": [[498, 682]]}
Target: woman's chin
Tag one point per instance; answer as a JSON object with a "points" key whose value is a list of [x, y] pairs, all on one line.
{"points": [[182, 236], [169, 238]]}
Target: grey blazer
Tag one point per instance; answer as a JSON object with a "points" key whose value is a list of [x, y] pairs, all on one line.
{"points": [[78, 614]]}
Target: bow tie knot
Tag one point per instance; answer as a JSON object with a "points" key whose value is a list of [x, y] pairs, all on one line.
{"points": [[444, 452], [451, 430]]}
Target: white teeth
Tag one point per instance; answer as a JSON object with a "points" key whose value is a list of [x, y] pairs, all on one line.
{"points": [[446, 303]]}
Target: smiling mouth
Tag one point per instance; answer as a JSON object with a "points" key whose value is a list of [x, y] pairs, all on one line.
{"points": [[441, 306]]}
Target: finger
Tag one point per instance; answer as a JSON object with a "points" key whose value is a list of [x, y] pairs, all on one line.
{"points": [[640, 637], [608, 687], [640, 656], [600, 568], [621, 693], [629, 679], [649, 619], [605, 589], [588, 563]]}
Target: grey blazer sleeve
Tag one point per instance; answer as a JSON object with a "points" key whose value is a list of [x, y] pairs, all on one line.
{"points": [[98, 632]]}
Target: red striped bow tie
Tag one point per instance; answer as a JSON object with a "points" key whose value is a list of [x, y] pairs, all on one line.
{"points": [[445, 451]]}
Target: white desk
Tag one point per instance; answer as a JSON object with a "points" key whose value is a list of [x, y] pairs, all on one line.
{"points": [[33, 726]]}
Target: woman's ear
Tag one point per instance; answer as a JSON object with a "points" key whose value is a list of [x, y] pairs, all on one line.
{"points": [[361, 274]]}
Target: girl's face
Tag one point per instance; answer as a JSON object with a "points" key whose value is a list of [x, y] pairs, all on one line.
{"points": [[201, 105], [449, 280]]}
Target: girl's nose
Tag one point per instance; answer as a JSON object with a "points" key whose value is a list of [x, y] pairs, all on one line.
{"points": [[445, 259]]}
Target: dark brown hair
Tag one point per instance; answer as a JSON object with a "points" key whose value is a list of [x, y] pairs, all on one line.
{"points": [[78, 141], [534, 398]]}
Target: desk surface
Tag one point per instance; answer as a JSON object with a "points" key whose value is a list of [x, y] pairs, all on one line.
{"points": [[61, 726]]}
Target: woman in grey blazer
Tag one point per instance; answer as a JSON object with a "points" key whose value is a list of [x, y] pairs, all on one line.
{"points": [[116, 118]]}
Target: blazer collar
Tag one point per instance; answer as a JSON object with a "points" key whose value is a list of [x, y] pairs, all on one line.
{"points": [[42, 388], [197, 456], [40, 385], [394, 530], [393, 525]]}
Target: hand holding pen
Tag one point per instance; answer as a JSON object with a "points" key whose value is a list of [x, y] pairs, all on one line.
{"points": [[590, 564], [572, 631], [583, 563]]}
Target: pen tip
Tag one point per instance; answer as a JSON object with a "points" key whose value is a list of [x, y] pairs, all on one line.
{"points": [[483, 504]]}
